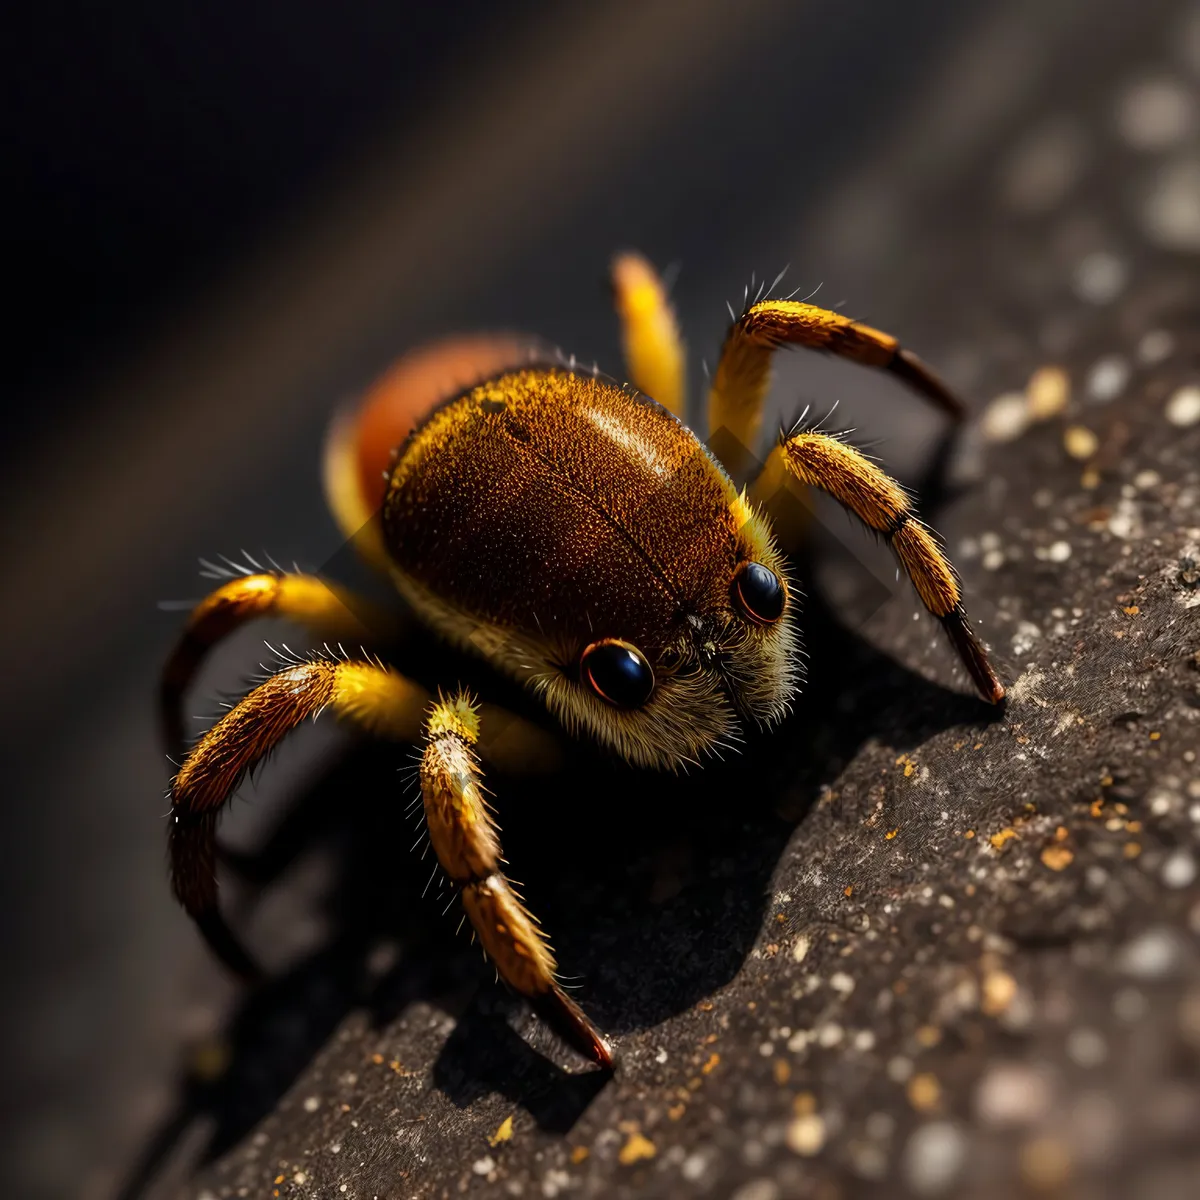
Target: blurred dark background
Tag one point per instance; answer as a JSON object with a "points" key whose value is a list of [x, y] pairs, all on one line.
{"points": [[223, 221]]}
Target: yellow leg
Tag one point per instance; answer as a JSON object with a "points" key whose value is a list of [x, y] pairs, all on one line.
{"points": [[378, 700], [739, 386], [822, 461], [654, 353], [324, 609], [467, 843]]}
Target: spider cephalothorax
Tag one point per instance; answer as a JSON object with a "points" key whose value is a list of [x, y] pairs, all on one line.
{"points": [[580, 538]]}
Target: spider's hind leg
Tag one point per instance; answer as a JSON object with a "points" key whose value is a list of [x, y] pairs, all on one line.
{"points": [[467, 843]]}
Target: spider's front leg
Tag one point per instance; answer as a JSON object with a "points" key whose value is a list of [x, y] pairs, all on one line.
{"points": [[378, 700], [324, 609], [467, 843], [743, 374]]}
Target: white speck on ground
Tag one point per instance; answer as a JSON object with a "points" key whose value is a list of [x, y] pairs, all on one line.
{"points": [[1155, 114], [933, 1157], [1012, 1094], [1107, 378], [1006, 418], [1171, 213], [1086, 1048], [1154, 347], [1153, 954], [1183, 407], [806, 1135], [1179, 870], [1100, 277]]}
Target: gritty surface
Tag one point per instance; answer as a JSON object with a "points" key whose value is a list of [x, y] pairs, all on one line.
{"points": [[904, 945]]}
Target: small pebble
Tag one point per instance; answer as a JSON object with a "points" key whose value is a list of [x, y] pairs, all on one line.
{"points": [[1155, 114], [1100, 277], [1107, 379], [1171, 213], [484, 1166], [1006, 418], [806, 1135], [1129, 1005], [757, 1189], [933, 1157], [1153, 954], [1154, 347], [312, 1103], [1183, 408], [1080, 442], [1045, 1164], [1179, 871], [1086, 1048], [1012, 1094], [993, 560], [1047, 392]]}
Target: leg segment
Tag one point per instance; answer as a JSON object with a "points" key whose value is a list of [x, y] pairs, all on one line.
{"points": [[826, 462], [654, 354], [739, 387], [327, 610], [378, 700], [467, 844]]}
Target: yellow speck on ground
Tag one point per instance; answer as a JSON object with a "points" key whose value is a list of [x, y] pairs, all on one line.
{"points": [[1045, 1164], [503, 1133], [1097, 807], [676, 1111], [891, 834], [1080, 442], [280, 1178], [969, 834], [804, 1104], [710, 1066], [579, 1153], [806, 1135], [908, 765], [636, 1149], [848, 890], [1001, 839], [1155, 736], [1057, 857], [924, 1092], [928, 1036], [1131, 850], [1131, 610], [1061, 834], [377, 1059], [782, 1071], [999, 990], [1047, 392]]}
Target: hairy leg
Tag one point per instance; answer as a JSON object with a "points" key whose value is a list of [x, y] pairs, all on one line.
{"points": [[654, 352], [467, 843], [329, 612], [739, 386], [822, 461]]}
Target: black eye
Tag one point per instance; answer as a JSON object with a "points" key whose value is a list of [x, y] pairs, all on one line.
{"points": [[758, 593], [617, 672]]}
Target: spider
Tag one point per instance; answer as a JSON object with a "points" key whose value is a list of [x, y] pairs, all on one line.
{"points": [[581, 539]]}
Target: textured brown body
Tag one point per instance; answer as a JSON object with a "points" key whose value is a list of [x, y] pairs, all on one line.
{"points": [[566, 507]]}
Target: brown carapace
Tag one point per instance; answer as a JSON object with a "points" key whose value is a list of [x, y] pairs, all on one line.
{"points": [[584, 541]]}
